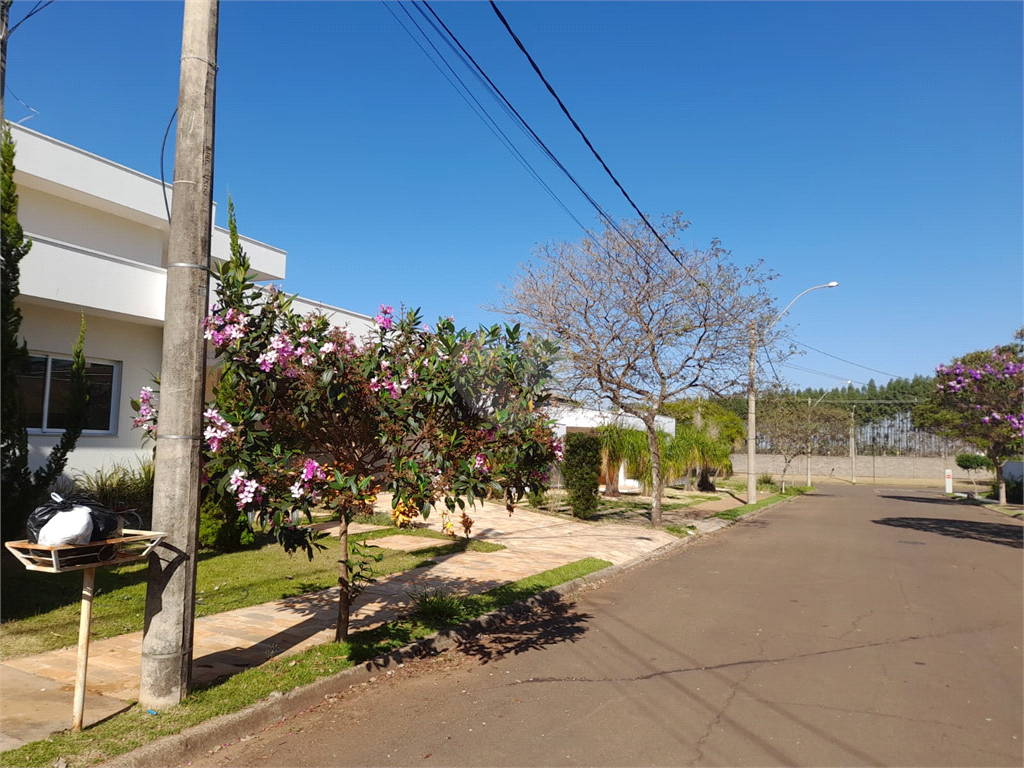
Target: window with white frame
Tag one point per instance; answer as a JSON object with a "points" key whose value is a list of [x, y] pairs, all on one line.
{"points": [[45, 385]]}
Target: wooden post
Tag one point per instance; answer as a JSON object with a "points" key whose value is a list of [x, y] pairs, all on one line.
{"points": [[84, 626]]}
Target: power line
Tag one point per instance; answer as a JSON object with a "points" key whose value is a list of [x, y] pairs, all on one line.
{"points": [[822, 373], [540, 143], [35, 9], [579, 130], [479, 109], [835, 357]]}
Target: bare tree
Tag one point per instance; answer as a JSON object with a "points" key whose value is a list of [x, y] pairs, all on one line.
{"points": [[792, 428], [638, 324]]}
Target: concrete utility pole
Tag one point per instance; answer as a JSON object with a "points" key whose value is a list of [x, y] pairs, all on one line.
{"points": [[170, 595], [853, 445], [752, 421]]}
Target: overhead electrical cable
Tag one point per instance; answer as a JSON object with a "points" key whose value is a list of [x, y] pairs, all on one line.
{"points": [[540, 142], [840, 359], [35, 9], [479, 109], [822, 373], [579, 130]]}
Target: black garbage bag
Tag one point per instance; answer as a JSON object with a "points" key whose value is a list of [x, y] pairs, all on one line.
{"points": [[105, 523]]}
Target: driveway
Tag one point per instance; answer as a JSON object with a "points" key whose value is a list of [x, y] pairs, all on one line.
{"points": [[856, 626]]}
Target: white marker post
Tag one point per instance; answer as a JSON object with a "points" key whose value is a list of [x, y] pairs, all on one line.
{"points": [[949, 481]]}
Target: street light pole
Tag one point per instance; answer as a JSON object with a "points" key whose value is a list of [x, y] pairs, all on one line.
{"points": [[752, 396]]}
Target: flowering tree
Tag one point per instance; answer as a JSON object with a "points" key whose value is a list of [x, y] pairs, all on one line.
{"points": [[306, 415], [978, 398]]}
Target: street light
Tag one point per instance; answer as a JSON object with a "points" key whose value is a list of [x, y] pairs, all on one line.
{"points": [[810, 406], [751, 392]]}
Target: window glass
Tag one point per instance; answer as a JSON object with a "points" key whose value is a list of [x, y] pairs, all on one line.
{"points": [[101, 395], [100, 379], [32, 383]]}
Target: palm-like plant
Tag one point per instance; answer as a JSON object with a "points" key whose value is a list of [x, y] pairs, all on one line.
{"points": [[621, 445]]}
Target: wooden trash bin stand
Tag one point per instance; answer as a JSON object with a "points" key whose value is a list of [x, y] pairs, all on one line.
{"points": [[130, 547]]}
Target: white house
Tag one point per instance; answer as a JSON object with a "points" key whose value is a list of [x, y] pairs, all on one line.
{"points": [[573, 418], [100, 237]]}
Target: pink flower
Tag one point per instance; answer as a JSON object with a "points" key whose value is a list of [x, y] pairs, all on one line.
{"points": [[236, 480], [481, 463]]}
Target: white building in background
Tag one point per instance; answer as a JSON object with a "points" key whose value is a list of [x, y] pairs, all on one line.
{"points": [[574, 418], [99, 236]]}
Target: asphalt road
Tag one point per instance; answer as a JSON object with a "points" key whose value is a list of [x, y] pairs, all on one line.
{"points": [[858, 626]]}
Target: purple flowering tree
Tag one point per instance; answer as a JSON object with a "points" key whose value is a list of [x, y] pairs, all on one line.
{"points": [[307, 416], [979, 398]]}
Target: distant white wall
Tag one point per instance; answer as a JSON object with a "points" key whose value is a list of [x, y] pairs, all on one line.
{"points": [[137, 347], [589, 418], [360, 326]]}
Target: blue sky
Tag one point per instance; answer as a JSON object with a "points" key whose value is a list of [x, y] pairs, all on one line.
{"points": [[877, 144]]}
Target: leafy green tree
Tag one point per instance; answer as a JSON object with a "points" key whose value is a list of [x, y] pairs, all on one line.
{"points": [[22, 488], [974, 462], [719, 431], [619, 445]]}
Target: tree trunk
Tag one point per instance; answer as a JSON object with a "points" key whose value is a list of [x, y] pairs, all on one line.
{"points": [[344, 595], [611, 485], [652, 443], [1002, 483], [705, 483]]}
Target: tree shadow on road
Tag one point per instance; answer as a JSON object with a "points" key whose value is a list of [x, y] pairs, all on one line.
{"points": [[995, 533], [527, 630], [936, 499]]}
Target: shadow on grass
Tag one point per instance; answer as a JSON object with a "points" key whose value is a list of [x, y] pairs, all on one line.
{"points": [[1006, 534]]}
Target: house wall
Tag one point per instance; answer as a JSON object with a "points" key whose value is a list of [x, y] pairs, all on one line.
{"points": [[64, 220], [136, 346]]}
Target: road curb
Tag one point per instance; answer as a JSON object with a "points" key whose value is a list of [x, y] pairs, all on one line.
{"points": [[279, 707]]}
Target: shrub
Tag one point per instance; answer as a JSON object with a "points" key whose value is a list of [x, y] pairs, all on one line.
{"points": [[439, 608], [971, 462], [536, 498], [1014, 491], [766, 479], [121, 488], [581, 469], [221, 526]]}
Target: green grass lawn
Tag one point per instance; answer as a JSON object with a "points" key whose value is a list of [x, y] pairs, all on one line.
{"points": [[132, 729], [733, 514], [41, 610]]}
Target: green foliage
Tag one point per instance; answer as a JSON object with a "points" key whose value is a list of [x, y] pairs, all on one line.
{"points": [[1014, 491], [713, 417], [972, 462], [221, 526], [438, 608], [536, 498], [22, 488], [581, 469], [121, 487], [766, 479]]}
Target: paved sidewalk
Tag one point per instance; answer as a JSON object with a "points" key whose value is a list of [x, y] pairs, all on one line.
{"points": [[227, 643]]}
